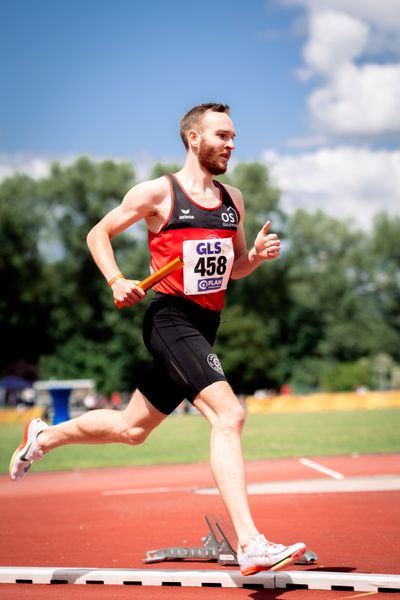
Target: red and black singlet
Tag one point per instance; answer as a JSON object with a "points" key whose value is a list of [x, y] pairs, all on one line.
{"points": [[204, 238]]}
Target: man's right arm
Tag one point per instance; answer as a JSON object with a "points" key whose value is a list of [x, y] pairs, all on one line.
{"points": [[140, 202]]}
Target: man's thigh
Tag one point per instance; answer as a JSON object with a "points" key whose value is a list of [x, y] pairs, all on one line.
{"points": [[219, 404]]}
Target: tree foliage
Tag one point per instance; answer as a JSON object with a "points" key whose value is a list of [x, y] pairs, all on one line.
{"points": [[324, 316], [23, 276]]}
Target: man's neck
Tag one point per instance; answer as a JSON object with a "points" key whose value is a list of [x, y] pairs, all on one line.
{"points": [[194, 176]]}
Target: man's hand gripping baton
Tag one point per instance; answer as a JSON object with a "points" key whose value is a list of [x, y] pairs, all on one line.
{"points": [[157, 276]]}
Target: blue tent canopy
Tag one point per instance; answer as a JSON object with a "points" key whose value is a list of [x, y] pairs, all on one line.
{"points": [[11, 382]]}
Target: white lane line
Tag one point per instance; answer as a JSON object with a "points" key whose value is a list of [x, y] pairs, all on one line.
{"points": [[317, 467], [153, 490], [322, 485]]}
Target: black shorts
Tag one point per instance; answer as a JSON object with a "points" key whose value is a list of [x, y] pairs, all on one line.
{"points": [[179, 334]]}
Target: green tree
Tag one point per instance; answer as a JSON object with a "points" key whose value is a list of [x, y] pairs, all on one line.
{"points": [[25, 293], [161, 169], [316, 317], [384, 280], [77, 197], [91, 337], [248, 361], [343, 377], [335, 314]]}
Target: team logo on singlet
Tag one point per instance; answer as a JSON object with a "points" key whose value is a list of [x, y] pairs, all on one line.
{"points": [[214, 363], [229, 217], [185, 214]]}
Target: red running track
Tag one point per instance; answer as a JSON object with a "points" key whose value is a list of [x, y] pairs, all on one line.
{"points": [[111, 517]]}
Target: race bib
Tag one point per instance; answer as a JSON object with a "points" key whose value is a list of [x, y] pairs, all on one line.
{"points": [[207, 265]]}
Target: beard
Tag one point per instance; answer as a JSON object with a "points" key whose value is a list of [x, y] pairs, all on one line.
{"points": [[211, 159]]}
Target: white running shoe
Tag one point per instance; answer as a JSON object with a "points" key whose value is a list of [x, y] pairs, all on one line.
{"points": [[27, 452], [263, 555]]}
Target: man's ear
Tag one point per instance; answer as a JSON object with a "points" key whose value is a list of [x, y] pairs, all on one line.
{"points": [[193, 138]]}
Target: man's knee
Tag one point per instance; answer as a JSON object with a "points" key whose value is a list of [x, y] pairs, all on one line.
{"points": [[131, 433], [229, 416], [221, 407], [136, 435], [138, 420], [233, 419]]}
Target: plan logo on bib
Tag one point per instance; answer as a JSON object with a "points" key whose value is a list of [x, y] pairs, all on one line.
{"points": [[214, 363], [209, 285]]}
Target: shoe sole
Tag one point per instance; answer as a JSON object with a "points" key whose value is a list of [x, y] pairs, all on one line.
{"points": [[285, 561], [20, 448]]}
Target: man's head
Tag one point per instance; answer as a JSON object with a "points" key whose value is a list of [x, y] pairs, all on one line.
{"points": [[193, 118], [207, 130]]}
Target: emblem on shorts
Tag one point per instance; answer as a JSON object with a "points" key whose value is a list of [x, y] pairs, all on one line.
{"points": [[214, 363]]}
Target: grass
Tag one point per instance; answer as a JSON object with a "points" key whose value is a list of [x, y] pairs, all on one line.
{"points": [[184, 439]]}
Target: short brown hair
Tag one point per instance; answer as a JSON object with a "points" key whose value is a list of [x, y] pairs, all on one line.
{"points": [[193, 117]]}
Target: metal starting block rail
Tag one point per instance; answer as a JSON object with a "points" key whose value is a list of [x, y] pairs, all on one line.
{"points": [[217, 546]]}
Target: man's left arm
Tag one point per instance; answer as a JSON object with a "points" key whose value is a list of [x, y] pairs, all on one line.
{"points": [[266, 246]]}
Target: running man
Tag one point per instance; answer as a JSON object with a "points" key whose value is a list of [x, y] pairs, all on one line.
{"points": [[188, 214]]}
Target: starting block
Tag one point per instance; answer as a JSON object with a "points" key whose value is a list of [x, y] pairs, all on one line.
{"points": [[217, 546]]}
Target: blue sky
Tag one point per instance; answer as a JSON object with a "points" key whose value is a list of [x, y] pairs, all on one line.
{"points": [[112, 78]]}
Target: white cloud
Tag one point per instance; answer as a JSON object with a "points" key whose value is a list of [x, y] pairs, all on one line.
{"points": [[306, 142], [352, 55], [346, 182], [335, 40], [32, 165], [382, 14], [38, 166], [350, 60], [359, 101], [352, 99]]}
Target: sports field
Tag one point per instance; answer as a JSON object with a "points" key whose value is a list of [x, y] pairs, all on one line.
{"points": [[342, 503], [346, 508], [184, 439]]}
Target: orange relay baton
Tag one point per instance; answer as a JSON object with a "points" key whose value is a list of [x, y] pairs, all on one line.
{"points": [[157, 276]]}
